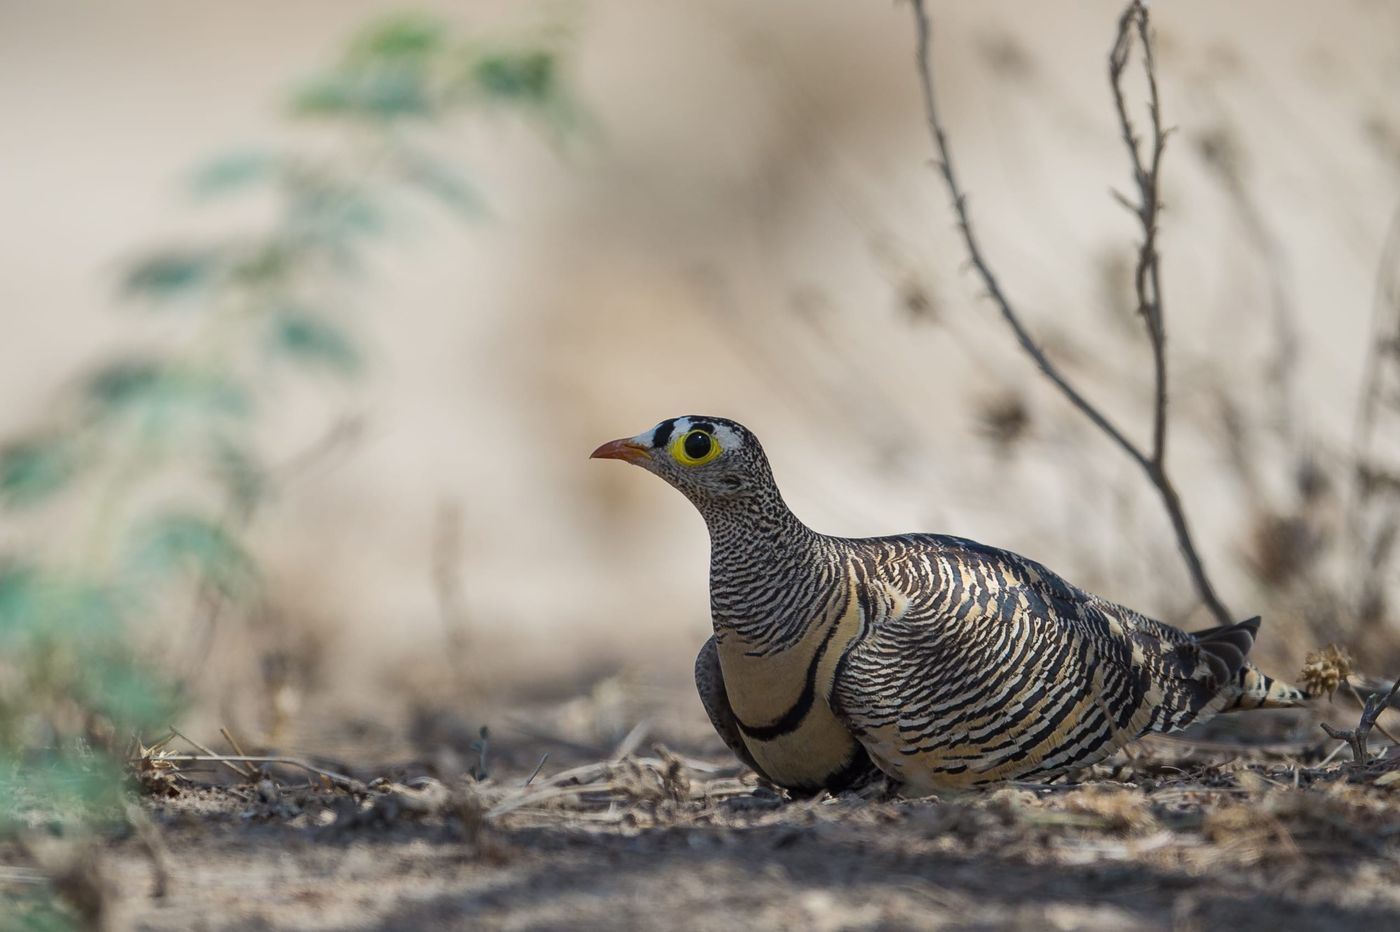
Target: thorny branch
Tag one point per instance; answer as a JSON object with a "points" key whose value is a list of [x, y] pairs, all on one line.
{"points": [[1147, 277]]}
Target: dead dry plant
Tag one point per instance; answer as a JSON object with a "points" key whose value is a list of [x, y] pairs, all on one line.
{"points": [[1371, 709], [1146, 160], [626, 788]]}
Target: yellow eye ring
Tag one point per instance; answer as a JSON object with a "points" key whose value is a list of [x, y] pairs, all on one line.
{"points": [[684, 448]]}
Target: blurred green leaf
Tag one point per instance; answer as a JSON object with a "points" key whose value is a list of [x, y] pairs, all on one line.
{"points": [[159, 388], [171, 273], [19, 600], [267, 263], [242, 479], [121, 384], [79, 607], [180, 541], [119, 687], [387, 93], [34, 468], [408, 35], [527, 76], [35, 910], [234, 171], [35, 602], [63, 788], [386, 75], [306, 338], [345, 213], [444, 183], [330, 214]]}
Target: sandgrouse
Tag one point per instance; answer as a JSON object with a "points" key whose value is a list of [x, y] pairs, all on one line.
{"points": [[942, 662]]}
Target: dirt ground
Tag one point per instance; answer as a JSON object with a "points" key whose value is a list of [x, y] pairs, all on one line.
{"points": [[662, 831]]}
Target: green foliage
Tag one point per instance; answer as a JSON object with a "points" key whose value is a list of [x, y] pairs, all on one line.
{"points": [[411, 68], [306, 338], [182, 421], [19, 604], [444, 183], [36, 604], [234, 172], [175, 542], [385, 74], [70, 630], [74, 788], [162, 276], [235, 471], [34, 468], [404, 37], [327, 215], [527, 76], [157, 391], [34, 911], [68, 683]]}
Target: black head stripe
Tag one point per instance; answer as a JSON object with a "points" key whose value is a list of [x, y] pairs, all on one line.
{"points": [[663, 433]]}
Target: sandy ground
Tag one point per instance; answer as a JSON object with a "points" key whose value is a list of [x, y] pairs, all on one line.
{"points": [[1200, 833]]}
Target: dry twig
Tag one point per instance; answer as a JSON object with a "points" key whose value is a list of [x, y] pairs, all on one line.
{"points": [[1382, 703], [1356, 737], [544, 758], [632, 740], [1146, 279], [246, 773], [340, 780]]}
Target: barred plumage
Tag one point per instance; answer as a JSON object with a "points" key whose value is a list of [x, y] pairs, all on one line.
{"points": [[937, 660]]}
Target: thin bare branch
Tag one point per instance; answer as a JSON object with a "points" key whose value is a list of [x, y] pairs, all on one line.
{"points": [[1147, 275], [975, 257], [1147, 278]]}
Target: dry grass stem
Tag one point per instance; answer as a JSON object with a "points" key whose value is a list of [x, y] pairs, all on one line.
{"points": [[230, 762], [349, 784]]}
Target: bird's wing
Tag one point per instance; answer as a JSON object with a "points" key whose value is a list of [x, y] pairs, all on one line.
{"points": [[977, 665]]}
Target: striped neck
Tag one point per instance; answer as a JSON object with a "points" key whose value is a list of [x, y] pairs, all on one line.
{"points": [[770, 574]]}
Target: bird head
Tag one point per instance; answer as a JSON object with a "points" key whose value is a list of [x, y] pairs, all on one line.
{"points": [[712, 461]]}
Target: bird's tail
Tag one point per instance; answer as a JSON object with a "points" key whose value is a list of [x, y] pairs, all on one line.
{"points": [[1225, 649], [1255, 690]]}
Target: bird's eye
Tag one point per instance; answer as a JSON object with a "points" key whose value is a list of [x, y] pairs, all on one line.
{"points": [[697, 445], [695, 448]]}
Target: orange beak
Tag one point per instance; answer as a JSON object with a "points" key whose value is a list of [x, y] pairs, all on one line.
{"points": [[627, 450]]}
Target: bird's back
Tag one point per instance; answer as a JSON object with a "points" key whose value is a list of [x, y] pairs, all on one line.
{"points": [[977, 665]]}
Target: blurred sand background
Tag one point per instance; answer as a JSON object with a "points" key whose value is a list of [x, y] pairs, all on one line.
{"points": [[754, 231]]}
